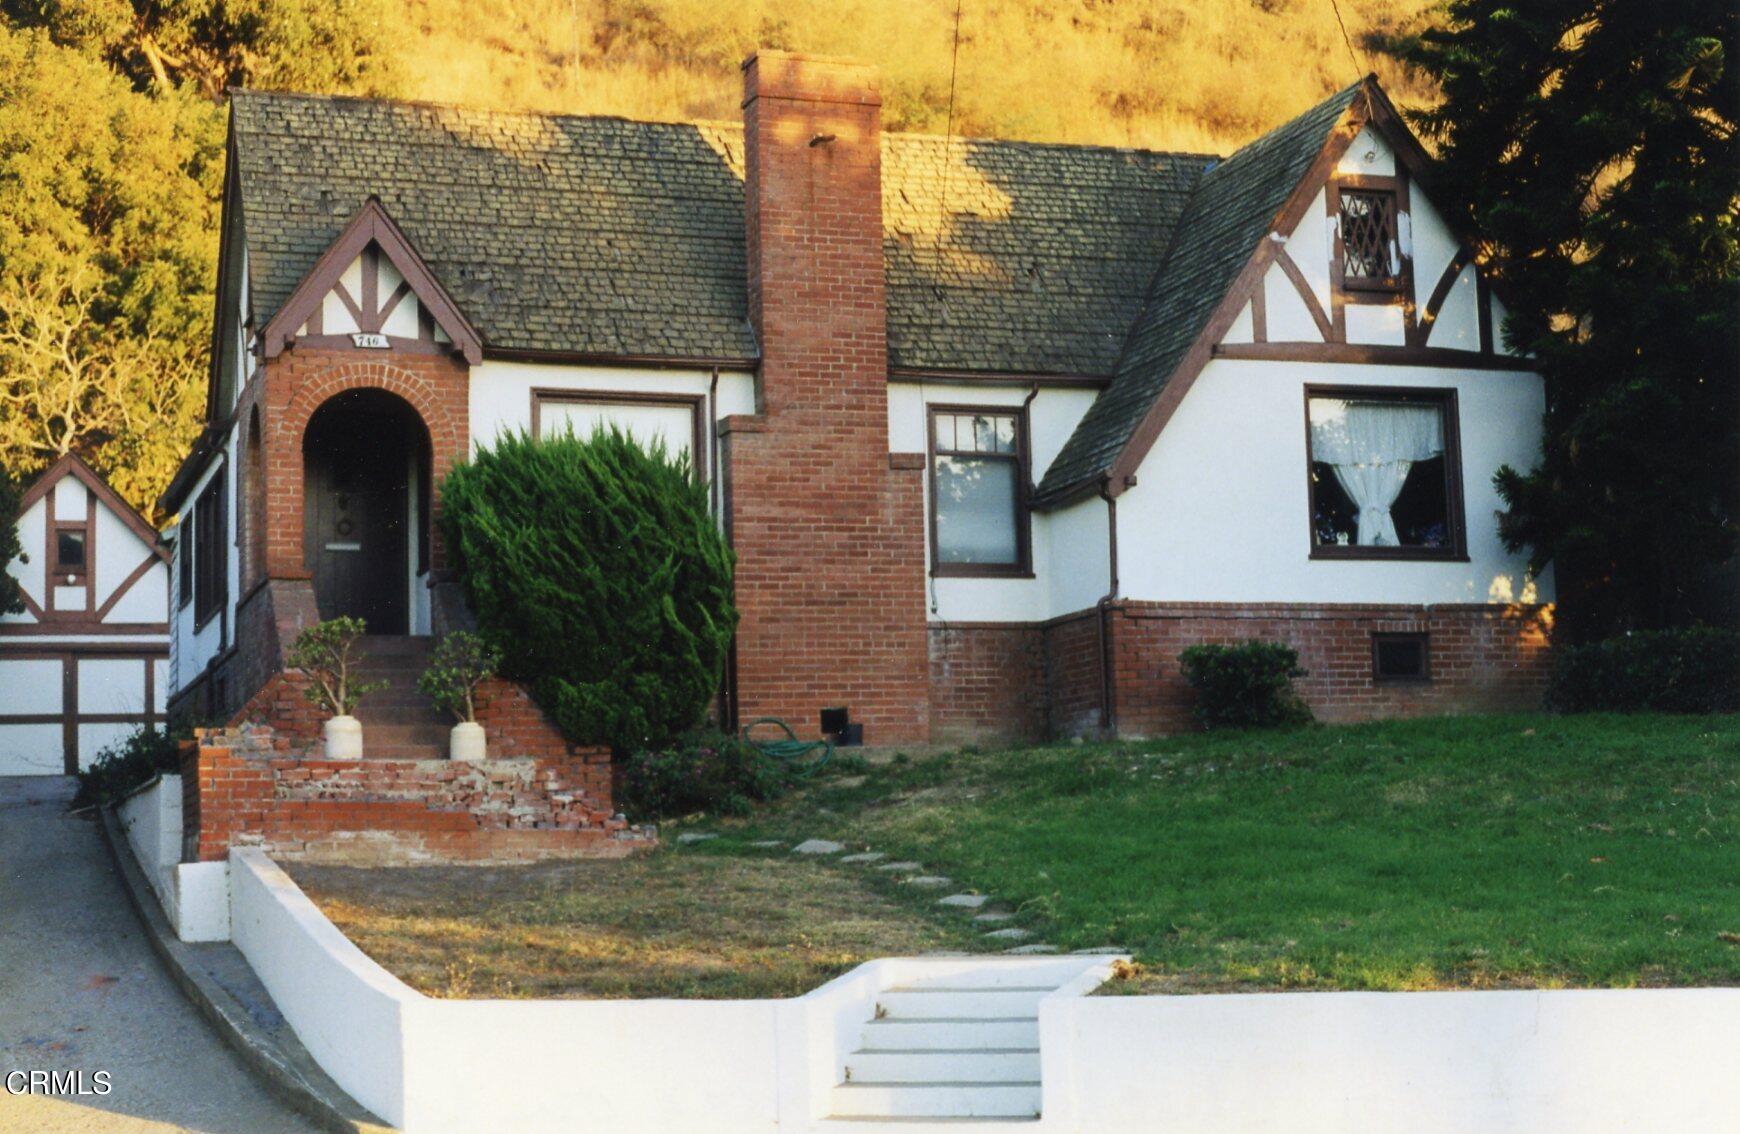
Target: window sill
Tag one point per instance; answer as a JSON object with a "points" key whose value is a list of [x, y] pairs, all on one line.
{"points": [[982, 573], [1397, 554]]}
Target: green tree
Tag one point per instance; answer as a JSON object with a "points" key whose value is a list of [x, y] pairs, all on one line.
{"points": [[210, 45], [596, 569], [107, 243], [1593, 145], [11, 600]]}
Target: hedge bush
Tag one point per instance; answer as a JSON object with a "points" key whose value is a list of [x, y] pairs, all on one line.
{"points": [[1693, 670], [126, 764], [595, 568], [706, 771], [1247, 685]]}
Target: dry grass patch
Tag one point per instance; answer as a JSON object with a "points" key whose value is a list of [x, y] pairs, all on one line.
{"points": [[678, 922]]}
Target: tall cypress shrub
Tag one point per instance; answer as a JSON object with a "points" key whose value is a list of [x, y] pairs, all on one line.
{"points": [[595, 567]]}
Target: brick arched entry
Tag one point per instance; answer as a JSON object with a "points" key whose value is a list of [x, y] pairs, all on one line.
{"points": [[299, 383]]}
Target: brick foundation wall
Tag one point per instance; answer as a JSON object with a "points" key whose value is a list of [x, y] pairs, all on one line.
{"points": [[987, 682], [829, 532], [1483, 658], [1003, 682], [245, 792]]}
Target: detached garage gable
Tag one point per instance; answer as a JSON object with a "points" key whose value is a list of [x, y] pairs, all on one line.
{"points": [[83, 663]]}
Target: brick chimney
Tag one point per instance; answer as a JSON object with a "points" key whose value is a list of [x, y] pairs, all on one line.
{"points": [[829, 536]]}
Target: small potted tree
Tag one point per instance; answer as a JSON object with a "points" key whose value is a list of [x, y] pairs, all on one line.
{"points": [[461, 661], [323, 652]]}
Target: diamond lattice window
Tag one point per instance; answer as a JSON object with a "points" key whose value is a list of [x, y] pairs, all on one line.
{"points": [[1369, 255]]}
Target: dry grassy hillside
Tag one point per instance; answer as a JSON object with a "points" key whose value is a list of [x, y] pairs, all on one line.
{"points": [[1170, 74]]}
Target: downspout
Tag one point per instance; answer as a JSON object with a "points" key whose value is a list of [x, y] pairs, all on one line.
{"points": [[1108, 688], [715, 499], [713, 445]]}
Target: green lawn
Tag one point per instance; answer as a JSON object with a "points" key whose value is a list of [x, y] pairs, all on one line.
{"points": [[1451, 852]]}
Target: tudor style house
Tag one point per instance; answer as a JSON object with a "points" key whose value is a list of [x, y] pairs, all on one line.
{"points": [[995, 428], [85, 662]]}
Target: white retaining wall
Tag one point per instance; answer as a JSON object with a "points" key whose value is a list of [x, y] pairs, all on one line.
{"points": [[1528, 1062], [195, 896]]}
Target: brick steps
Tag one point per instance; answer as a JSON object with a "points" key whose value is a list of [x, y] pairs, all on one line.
{"points": [[399, 723]]}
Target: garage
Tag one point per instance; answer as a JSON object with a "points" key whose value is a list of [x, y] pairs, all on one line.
{"points": [[85, 663]]}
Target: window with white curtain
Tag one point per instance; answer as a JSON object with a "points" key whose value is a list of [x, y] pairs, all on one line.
{"points": [[978, 491], [1385, 479]]}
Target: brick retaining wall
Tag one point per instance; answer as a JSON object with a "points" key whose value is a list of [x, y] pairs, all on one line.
{"points": [[241, 790]]}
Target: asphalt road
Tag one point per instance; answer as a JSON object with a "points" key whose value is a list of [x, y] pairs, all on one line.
{"points": [[81, 990]]}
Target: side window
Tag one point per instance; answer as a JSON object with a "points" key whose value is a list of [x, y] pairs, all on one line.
{"points": [[184, 562], [1385, 474], [978, 491], [1373, 246], [208, 545]]}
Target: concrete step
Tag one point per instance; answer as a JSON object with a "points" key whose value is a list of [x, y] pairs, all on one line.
{"points": [[936, 1100], [1015, 1002], [955, 1035], [997, 972], [945, 1065]]}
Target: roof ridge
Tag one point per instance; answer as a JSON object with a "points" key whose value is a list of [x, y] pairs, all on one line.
{"points": [[472, 108]]}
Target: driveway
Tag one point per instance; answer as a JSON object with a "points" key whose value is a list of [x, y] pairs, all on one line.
{"points": [[81, 990]]}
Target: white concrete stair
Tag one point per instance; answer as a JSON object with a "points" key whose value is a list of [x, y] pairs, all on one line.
{"points": [[960, 1046]]}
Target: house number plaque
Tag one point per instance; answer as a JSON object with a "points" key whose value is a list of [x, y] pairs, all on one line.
{"points": [[369, 341]]}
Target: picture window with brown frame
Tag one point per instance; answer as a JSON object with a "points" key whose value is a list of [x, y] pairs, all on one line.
{"points": [[1385, 479], [1371, 250], [978, 491]]}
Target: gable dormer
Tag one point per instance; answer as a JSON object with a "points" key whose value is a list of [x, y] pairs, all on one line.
{"points": [[372, 291]]}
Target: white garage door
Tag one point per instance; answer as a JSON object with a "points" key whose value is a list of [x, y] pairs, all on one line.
{"points": [[60, 706]]}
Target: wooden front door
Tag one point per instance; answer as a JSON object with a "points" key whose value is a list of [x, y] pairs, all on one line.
{"points": [[357, 531]]}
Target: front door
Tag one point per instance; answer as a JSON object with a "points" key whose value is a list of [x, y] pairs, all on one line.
{"points": [[357, 530]]}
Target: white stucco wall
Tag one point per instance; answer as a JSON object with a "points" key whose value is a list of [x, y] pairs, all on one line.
{"points": [[1052, 417], [32, 532], [501, 392], [1220, 511]]}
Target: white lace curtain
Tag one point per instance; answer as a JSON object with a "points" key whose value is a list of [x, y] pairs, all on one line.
{"points": [[1371, 446]]}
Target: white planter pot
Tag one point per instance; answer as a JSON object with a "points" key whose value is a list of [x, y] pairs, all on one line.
{"points": [[343, 738], [466, 742]]}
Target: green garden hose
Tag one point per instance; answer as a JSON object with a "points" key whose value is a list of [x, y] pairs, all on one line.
{"points": [[791, 751]]}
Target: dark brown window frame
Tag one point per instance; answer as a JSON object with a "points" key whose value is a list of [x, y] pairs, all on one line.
{"points": [[1425, 639], [1361, 290], [1455, 521], [210, 576], [1022, 568], [695, 403], [184, 563], [59, 569]]}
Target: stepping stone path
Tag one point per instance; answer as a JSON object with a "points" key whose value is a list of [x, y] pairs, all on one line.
{"points": [[1010, 934], [695, 837], [961, 901]]}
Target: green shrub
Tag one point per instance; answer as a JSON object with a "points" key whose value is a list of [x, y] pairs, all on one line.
{"points": [[11, 594], [596, 568], [705, 771], [1247, 685], [1693, 670], [323, 652], [126, 764], [462, 659]]}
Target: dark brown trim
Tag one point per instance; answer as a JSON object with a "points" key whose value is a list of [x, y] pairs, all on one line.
{"points": [[1483, 313], [26, 651], [1425, 640], [1260, 309], [1022, 568], [696, 403], [76, 719], [69, 711], [371, 225], [1189, 368], [69, 655], [999, 378], [1421, 330], [1306, 294], [77, 628], [394, 343], [638, 361], [1374, 353], [1454, 520]]}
